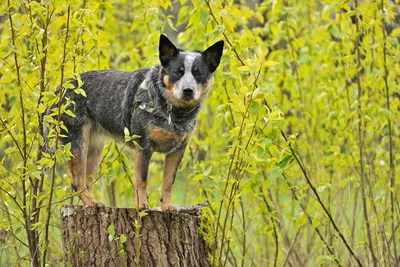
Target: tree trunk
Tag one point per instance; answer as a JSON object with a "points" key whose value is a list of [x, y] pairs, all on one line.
{"points": [[104, 236]]}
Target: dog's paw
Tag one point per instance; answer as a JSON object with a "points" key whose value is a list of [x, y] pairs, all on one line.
{"points": [[142, 206], [168, 207], [94, 203], [88, 200], [99, 204]]}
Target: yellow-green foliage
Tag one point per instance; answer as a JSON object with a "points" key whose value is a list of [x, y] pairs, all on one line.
{"points": [[298, 160]]}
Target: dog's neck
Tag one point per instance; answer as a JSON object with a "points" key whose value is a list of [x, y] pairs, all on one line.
{"points": [[151, 97]]}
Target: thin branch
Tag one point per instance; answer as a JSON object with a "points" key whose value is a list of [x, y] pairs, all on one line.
{"points": [[310, 184], [57, 136], [26, 211], [392, 172], [294, 64], [296, 158], [12, 137], [361, 140], [276, 237], [291, 247]]}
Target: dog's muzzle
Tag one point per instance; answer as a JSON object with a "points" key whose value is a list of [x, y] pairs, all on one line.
{"points": [[188, 94]]}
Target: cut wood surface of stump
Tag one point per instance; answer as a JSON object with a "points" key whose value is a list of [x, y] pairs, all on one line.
{"points": [[105, 236]]}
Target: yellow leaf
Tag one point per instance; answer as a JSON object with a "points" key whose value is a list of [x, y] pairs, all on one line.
{"points": [[261, 53], [270, 63], [244, 68]]}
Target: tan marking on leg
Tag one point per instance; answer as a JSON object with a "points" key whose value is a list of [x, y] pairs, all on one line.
{"points": [[77, 166], [93, 160], [141, 171], [171, 166]]}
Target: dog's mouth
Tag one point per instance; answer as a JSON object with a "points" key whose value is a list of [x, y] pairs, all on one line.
{"points": [[187, 94], [187, 98]]}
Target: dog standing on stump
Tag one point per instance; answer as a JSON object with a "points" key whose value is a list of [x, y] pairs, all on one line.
{"points": [[160, 104]]}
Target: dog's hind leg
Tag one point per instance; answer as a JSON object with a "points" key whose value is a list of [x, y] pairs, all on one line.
{"points": [[93, 160], [77, 165]]}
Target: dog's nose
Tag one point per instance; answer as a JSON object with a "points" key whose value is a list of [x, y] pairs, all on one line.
{"points": [[187, 93]]}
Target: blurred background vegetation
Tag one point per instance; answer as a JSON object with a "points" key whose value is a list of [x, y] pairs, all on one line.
{"points": [[299, 161]]}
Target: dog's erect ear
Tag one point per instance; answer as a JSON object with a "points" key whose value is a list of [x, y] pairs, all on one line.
{"points": [[213, 55], [166, 50]]}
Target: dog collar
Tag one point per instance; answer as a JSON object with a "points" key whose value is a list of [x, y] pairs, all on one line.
{"points": [[149, 107]]}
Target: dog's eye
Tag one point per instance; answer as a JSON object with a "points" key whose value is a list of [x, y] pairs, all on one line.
{"points": [[196, 71], [181, 68]]}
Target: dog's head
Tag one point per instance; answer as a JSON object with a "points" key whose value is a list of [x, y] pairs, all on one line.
{"points": [[187, 75]]}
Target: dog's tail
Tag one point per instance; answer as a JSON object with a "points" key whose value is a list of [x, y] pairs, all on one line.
{"points": [[46, 135], [46, 141]]}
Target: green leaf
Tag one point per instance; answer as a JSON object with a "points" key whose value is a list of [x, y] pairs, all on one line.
{"points": [[316, 222], [111, 230], [126, 132], [300, 220], [286, 161], [70, 113], [80, 91], [122, 239], [324, 259], [198, 177], [385, 113], [207, 171], [276, 172], [68, 85], [270, 63]]}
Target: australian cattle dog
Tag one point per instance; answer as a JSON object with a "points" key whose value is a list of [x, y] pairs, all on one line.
{"points": [[159, 103]]}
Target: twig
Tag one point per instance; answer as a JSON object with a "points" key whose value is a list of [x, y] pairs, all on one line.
{"points": [[294, 64], [392, 172], [291, 247], [273, 225], [294, 154], [57, 136], [296, 158], [26, 212], [360, 139], [12, 137]]}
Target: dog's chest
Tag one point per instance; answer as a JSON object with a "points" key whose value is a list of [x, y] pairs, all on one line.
{"points": [[166, 142]]}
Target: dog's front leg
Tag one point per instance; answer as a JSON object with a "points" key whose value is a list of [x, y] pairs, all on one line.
{"points": [[171, 165], [142, 162]]}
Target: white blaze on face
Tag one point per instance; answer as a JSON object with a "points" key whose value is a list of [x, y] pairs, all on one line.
{"points": [[187, 80]]}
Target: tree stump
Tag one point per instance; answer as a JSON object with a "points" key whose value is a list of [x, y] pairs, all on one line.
{"points": [[105, 236]]}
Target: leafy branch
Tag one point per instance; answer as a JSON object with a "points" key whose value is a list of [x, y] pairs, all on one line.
{"points": [[60, 100], [295, 155], [392, 171]]}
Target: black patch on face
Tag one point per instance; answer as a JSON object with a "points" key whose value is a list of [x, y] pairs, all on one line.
{"points": [[200, 70], [173, 69]]}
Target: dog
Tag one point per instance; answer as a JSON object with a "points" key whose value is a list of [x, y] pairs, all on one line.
{"points": [[160, 104]]}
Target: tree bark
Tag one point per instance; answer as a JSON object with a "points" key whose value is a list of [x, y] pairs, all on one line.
{"points": [[105, 236]]}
